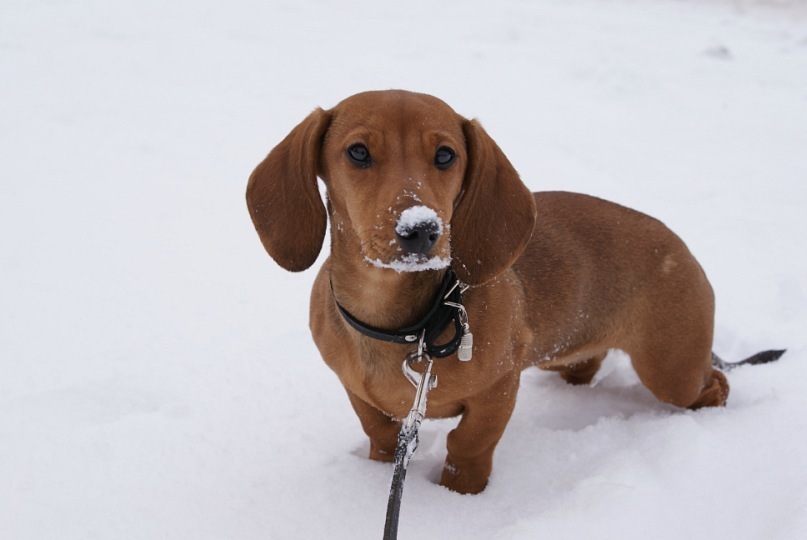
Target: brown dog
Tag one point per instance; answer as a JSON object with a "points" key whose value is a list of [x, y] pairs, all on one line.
{"points": [[414, 192]]}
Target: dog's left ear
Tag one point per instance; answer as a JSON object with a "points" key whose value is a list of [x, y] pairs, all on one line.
{"points": [[495, 215]]}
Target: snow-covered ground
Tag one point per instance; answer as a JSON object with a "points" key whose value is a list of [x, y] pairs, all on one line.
{"points": [[157, 377]]}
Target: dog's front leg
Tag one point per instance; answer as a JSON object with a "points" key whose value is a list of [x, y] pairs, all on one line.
{"points": [[380, 428], [471, 444]]}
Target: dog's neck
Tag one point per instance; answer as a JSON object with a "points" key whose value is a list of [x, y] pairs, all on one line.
{"points": [[381, 297]]}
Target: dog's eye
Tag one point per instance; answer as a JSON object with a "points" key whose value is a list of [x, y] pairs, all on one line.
{"points": [[359, 155], [444, 157]]}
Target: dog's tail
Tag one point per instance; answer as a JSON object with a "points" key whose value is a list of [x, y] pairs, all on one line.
{"points": [[760, 358]]}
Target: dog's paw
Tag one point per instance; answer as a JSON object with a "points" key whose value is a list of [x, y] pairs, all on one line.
{"points": [[466, 480], [714, 394], [381, 454]]}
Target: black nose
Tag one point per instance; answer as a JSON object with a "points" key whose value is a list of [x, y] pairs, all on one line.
{"points": [[418, 238]]}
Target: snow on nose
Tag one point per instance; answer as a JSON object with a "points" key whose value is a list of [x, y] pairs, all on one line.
{"points": [[418, 228]]}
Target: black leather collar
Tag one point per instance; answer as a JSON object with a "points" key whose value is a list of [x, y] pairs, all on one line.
{"points": [[435, 322]]}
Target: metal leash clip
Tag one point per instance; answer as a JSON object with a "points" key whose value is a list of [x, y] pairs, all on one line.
{"points": [[423, 382]]}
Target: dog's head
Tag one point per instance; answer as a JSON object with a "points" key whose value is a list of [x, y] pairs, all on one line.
{"points": [[412, 183]]}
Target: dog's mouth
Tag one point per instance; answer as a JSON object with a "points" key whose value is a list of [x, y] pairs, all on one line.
{"points": [[412, 262]]}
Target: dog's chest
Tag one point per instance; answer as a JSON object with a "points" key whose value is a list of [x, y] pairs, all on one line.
{"points": [[375, 374]]}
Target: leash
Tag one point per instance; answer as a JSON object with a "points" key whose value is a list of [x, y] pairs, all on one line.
{"points": [[446, 308], [408, 436]]}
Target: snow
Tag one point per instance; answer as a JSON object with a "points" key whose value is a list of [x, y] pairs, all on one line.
{"points": [[417, 215], [411, 262], [157, 376]]}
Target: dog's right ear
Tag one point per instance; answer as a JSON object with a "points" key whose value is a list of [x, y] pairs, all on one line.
{"points": [[283, 197]]}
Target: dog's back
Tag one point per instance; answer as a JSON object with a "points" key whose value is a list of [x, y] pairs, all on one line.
{"points": [[598, 276]]}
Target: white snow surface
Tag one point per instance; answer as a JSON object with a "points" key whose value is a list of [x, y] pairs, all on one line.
{"points": [[157, 376]]}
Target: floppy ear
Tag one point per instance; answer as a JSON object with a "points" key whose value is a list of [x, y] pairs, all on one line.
{"points": [[283, 198], [495, 215]]}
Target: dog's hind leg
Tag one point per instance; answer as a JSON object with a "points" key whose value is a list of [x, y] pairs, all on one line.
{"points": [[681, 373], [581, 372], [669, 334]]}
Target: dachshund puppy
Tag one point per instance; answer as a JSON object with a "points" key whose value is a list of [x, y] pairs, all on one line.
{"points": [[419, 199]]}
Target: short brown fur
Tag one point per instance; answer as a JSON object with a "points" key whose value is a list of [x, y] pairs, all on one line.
{"points": [[557, 278]]}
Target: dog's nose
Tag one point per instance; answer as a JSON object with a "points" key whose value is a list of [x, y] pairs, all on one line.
{"points": [[419, 237], [418, 229]]}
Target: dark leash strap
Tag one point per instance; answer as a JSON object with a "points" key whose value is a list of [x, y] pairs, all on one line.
{"points": [[405, 441]]}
